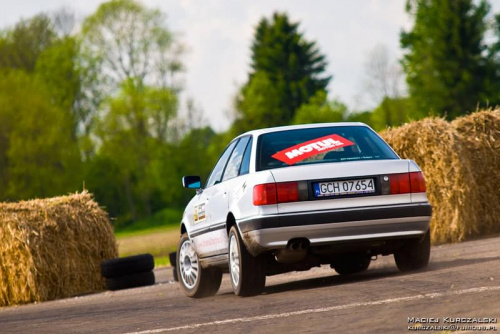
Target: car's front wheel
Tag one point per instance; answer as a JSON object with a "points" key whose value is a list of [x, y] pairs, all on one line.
{"points": [[414, 254], [247, 273], [196, 281]]}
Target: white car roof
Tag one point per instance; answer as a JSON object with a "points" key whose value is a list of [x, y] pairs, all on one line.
{"points": [[302, 126]]}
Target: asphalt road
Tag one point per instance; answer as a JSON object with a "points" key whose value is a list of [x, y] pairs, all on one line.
{"points": [[462, 281]]}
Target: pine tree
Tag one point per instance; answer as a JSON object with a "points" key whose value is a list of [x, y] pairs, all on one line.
{"points": [[446, 62], [284, 63]]}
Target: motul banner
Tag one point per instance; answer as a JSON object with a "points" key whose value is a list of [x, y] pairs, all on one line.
{"points": [[305, 150]]}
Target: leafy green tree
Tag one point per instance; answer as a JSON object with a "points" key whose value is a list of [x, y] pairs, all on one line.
{"points": [[363, 117], [132, 135], [287, 70], [56, 66], [260, 103], [394, 112], [21, 46], [320, 110], [130, 41], [445, 61], [38, 154]]}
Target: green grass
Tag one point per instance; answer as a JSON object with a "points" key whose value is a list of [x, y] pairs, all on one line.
{"points": [[157, 235], [147, 231], [162, 261], [157, 242], [162, 219]]}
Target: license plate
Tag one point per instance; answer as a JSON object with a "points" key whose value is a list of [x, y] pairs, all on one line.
{"points": [[347, 187]]}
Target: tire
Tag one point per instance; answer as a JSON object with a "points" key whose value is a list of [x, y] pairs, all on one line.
{"points": [[352, 265], [173, 259], [195, 281], [414, 254], [130, 281], [248, 276], [176, 277], [127, 265]]}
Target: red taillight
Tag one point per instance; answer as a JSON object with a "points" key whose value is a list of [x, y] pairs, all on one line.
{"points": [[273, 193], [407, 183], [417, 182], [264, 194], [400, 183], [288, 192]]}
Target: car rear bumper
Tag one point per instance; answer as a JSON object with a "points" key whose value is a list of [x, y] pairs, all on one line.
{"points": [[336, 226]]}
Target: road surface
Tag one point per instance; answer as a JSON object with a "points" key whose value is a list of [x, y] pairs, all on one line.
{"points": [[462, 281]]}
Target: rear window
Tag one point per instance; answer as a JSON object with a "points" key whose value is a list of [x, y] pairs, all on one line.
{"points": [[320, 145]]}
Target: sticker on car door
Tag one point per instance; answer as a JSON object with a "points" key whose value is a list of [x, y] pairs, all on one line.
{"points": [[199, 213]]}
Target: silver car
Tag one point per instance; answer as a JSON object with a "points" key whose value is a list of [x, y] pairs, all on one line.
{"points": [[296, 197]]}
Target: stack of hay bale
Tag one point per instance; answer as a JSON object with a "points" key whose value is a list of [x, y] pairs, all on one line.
{"points": [[460, 161], [52, 248], [479, 134]]}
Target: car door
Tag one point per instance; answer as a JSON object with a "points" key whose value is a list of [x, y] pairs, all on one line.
{"points": [[221, 195], [207, 208]]}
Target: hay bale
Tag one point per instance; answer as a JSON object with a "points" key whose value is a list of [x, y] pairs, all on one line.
{"points": [[52, 248], [451, 188], [479, 134]]}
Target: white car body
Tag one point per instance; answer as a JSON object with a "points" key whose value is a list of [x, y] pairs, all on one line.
{"points": [[373, 219]]}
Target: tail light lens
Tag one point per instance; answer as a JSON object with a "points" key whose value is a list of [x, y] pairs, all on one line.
{"points": [[265, 194], [288, 192], [407, 183], [417, 182], [274, 193], [400, 183]]}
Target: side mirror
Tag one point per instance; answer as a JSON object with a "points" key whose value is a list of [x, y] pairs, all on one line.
{"points": [[191, 182]]}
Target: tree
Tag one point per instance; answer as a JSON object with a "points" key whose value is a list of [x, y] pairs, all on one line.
{"points": [[383, 75], [394, 112], [259, 103], [445, 61], [320, 110], [493, 84], [38, 155], [132, 135], [130, 41], [21, 46], [287, 70]]}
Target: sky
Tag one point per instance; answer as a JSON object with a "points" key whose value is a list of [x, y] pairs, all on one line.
{"points": [[218, 35]]}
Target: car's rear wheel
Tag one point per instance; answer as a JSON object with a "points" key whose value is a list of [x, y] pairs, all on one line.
{"points": [[196, 281], [247, 272], [414, 254], [352, 264]]}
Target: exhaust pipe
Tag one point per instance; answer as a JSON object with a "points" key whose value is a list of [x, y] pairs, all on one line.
{"points": [[295, 251], [304, 245]]}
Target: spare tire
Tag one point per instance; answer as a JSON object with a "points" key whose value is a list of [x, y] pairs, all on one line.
{"points": [[130, 281], [127, 265]]}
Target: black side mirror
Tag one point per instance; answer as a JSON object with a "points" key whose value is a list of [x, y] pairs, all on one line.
{"points": [[191, 182]]}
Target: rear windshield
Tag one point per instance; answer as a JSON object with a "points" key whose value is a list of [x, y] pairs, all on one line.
{"points": [[320, 145]]}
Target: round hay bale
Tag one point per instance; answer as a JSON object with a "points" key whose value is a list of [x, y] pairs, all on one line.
{"points": [[479, 134], [53, 248], [451, 188]]}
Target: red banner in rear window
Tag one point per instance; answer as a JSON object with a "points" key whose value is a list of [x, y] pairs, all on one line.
{"points": [[302, 151]]}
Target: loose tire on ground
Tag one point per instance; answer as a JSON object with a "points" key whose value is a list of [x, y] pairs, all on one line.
{"points": [[195, 281], [130, 281], [173, 259], [414, 254], [352, 265], [247, 272], [127, 265]]}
